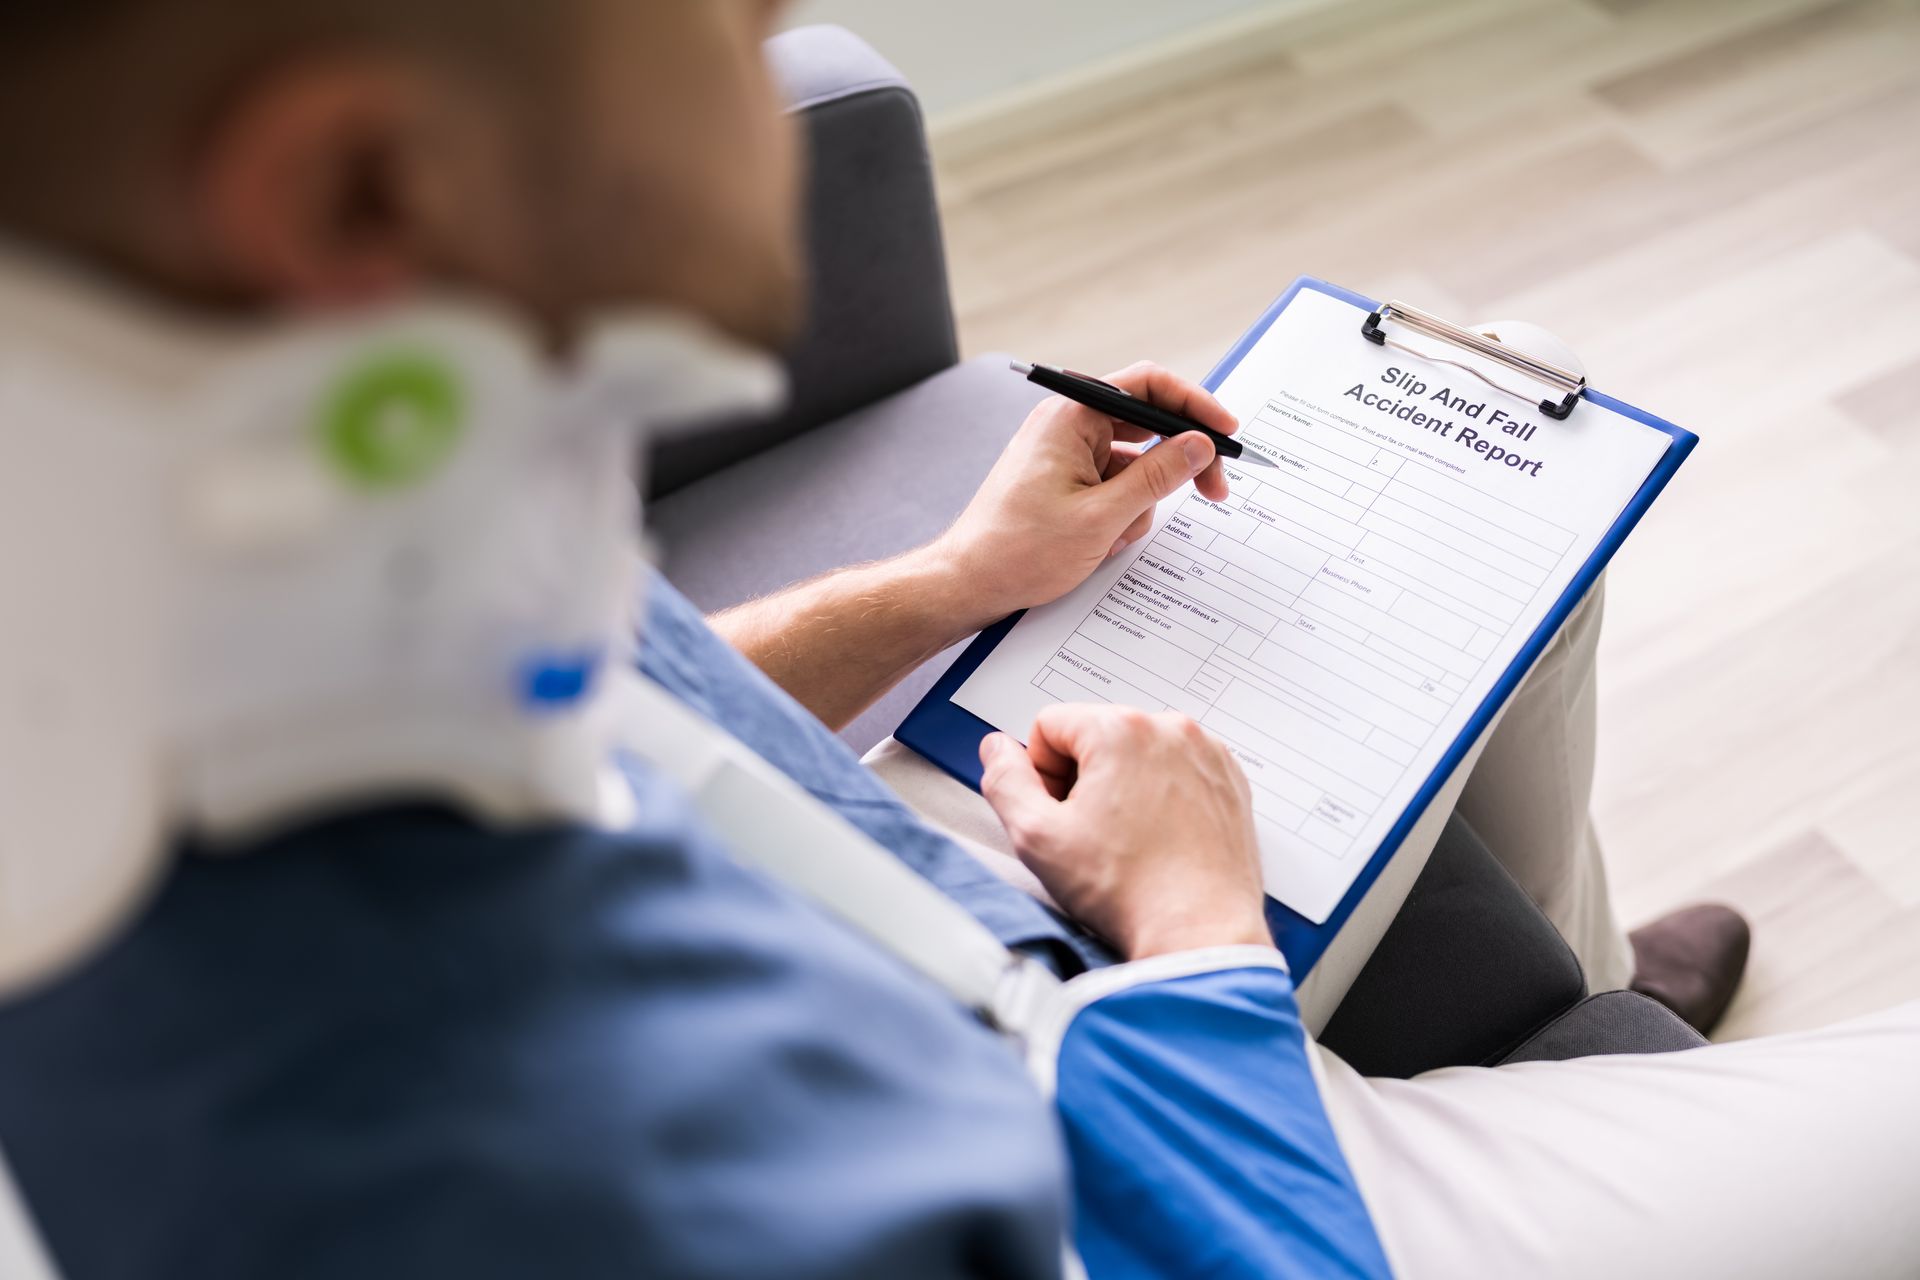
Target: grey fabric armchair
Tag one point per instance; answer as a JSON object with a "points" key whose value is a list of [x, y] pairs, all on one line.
{"points": [[1470, 972]]}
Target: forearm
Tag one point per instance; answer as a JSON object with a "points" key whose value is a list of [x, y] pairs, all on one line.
{"points": [[1063, 497], [838, 642], [1187, 1095]]}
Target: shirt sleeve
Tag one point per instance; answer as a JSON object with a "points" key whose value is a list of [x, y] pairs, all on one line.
{"points": [[1198, 1140]]}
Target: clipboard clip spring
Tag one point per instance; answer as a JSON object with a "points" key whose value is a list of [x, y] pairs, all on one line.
{"points": [[1570, 385]]}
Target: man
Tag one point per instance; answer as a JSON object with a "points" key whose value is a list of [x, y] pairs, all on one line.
{"points": [[387, 1039]]}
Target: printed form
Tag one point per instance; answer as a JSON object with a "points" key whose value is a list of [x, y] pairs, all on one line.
{"points": [[1337, 621]]}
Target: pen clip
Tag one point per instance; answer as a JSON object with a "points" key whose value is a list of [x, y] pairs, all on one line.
{"points": [[1090, 380]]}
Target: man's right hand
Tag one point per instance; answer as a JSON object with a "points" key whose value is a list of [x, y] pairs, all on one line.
{"points": [[1073, 488], [1140, 825]]}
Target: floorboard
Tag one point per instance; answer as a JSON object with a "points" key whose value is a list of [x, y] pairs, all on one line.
{"points": [[1718, 203]]}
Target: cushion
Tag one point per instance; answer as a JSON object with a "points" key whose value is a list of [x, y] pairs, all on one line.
{"points": [[878, 317], [1611, 1022], [1469, 969]]}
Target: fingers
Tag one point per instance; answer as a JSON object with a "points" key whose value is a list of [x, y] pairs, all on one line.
{"points": [[1153, 475], [1123, 456], [1120, 457], [1155, 848], [1171, 391], [1068, 734], [1015, 788], [1212, 482], [1142, 524], [1058, 768]]}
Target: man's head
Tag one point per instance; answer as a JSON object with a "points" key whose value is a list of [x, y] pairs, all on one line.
{"points": [[560, 156]]}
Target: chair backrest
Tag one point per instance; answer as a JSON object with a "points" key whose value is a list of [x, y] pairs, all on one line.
{"points": [[21, 1254], [879, 315]]}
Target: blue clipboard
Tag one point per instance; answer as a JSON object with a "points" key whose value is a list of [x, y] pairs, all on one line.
{"points": [[949, 736]]}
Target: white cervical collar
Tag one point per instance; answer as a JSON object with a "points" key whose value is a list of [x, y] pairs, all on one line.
{"points": [[248, 575]]}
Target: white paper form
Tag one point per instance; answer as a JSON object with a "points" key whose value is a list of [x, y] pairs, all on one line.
{"points": [[1337, 621]]}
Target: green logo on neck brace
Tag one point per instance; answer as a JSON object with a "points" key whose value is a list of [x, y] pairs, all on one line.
{"points": [[394, 421]]}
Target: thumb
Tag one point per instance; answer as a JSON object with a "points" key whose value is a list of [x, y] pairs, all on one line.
{"points": [[1155, 474], [1014, 788]]}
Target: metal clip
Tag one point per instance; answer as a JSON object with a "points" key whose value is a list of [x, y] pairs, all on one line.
{"points": [[1571, 385]]}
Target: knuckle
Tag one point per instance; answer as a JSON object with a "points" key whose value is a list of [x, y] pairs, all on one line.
{"points": [[1180, 727], [996, 781], [1018, 826], [1170, 465], [1032, 833]]}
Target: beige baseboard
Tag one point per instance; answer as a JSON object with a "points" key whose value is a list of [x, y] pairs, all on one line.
{"points": [[1086, 91]]}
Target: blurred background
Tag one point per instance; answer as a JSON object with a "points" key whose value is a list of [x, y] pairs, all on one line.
{"points": [[1716, 202]]}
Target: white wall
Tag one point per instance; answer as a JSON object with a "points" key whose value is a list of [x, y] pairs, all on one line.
{"points": [[959, 53]]}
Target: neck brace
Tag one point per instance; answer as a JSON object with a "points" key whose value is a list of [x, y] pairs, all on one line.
{"points": [[248, 576]]}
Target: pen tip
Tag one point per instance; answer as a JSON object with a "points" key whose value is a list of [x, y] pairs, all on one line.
{"points": [[1258, 460], [1020, 367]]}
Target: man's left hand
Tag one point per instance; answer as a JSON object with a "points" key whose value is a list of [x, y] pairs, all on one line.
{"points": [[1073, 488]]}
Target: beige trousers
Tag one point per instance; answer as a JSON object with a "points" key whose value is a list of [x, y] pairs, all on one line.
{"points": [[1794, 1156]]}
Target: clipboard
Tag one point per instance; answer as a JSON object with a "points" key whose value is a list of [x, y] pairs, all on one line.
{"points": [[948, 735]]}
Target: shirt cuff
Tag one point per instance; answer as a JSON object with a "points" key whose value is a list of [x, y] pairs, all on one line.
{"points": [[1067, 1002]]}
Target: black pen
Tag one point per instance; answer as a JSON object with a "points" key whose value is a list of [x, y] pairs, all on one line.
{"points": [[1104, 397]]}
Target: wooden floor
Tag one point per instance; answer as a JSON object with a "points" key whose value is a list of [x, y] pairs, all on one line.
{"points": [[1718, 204]]}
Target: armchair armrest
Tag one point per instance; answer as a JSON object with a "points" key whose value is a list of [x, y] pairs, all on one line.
{"points": [[879, 315]]}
